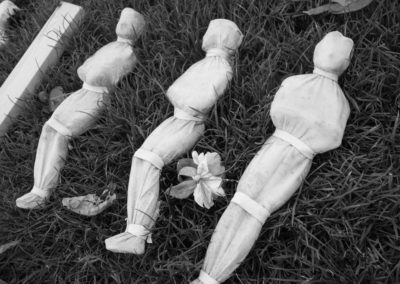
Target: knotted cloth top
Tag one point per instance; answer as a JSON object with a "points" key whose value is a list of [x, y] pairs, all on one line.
{"points": [[130, 26], [333, 53], [222, 34]]}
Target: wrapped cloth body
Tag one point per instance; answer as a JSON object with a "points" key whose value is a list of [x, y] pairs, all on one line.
{"points": [[310, 114], [79, 112], [7, 9], [192, 95]]}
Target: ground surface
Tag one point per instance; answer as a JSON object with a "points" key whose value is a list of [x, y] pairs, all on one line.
{"points": [[343, 225]]}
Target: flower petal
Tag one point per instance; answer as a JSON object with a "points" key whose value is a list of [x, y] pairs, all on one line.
{"points": [[202, 170], [202, 196], [182, 190], [214, 186], [214, 164], [195, 157]]}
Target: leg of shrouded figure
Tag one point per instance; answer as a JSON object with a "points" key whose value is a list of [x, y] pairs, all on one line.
{"points": [[169, 140], [73, 117], [142, 208], [51, 154], [233, 238]]}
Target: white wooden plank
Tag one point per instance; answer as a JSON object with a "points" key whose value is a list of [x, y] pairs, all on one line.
{"points": [[44, 52]]}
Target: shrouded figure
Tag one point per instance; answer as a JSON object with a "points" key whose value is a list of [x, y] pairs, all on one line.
{"points": [[310, 114], [7, 9], [193, 94], [80, 111]]}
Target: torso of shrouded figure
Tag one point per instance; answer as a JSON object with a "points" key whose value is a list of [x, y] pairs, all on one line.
{"points": [[199, 88], [313, 109], [108, 65], [274, 174]]}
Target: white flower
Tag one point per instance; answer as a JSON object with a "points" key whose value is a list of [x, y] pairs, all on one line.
{"points": [[201, 176], [208, 186]]}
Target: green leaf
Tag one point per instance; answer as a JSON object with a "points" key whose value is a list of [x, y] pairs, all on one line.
{"points": [[343, 2], [185, 163], [182, 190], [186, 173], [355, 5], [214, 164], [320, 9], [340, 7]]}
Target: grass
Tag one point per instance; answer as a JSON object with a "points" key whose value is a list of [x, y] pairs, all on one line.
{"points": [[342, 226]]}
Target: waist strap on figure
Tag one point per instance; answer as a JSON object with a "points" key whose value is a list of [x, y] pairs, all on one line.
{"points": [[95, 89], [57, 126], [251, 206], [151, 157], [181, 114], [139, 231], [218, 52], [326, 74], [302, 147], [207, 279]]}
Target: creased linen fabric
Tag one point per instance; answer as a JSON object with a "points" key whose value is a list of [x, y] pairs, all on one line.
{"points": [[80, 111], [310, 114], [192, 95]]}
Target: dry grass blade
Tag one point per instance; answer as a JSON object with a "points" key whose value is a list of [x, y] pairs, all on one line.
{"points": [[9, 245]]}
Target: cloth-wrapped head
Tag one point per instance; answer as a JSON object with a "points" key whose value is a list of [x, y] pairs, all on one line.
{"points": [[116, 59], [130, 25], [223, 35], [333, 53]]}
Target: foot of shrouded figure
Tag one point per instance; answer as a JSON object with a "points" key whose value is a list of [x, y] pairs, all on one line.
{"points": [[145, 177], [31, 201], [126, 243]]}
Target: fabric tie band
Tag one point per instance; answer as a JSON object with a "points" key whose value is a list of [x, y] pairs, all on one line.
{"points": [[94, 88], [124, 40], [139, 231], [326, 74], [302, 147], [181, 114], [218, 52], [57, 126], [150, 157], [251, 206], [44, 193], [207, 279]]}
